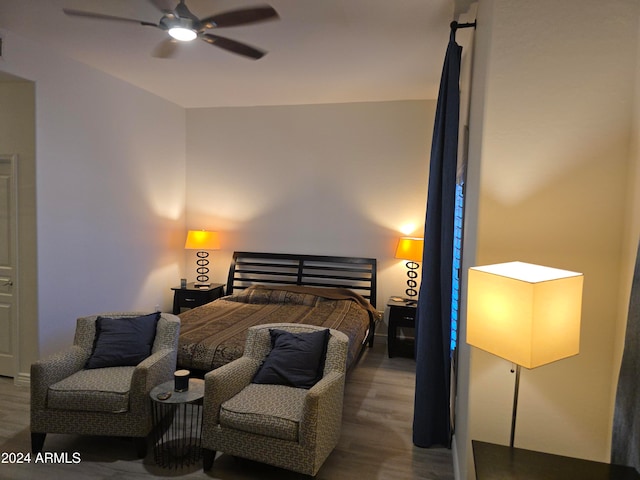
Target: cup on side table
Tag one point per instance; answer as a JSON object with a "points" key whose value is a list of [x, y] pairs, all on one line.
{"points": [[181, 380]]}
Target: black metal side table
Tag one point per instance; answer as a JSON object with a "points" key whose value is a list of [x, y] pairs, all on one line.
{"points": [[177, 424]]}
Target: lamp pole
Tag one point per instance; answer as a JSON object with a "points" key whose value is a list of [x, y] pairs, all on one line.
{"points": [[515, 406]]}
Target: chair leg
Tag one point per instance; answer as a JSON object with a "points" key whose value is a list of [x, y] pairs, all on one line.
{"points": [[208, 456], [141, 446], [37, 441]]}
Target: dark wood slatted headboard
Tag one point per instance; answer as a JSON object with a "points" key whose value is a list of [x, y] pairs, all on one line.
{"points": [[354, 273]]}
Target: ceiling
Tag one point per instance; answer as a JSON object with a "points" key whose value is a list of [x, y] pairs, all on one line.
{"points": [[320, 51]]}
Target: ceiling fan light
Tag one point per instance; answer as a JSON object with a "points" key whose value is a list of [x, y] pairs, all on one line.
{"points": [[183, 34]]}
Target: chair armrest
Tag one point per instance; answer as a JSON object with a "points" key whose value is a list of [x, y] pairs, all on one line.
{"points": [[152, 371], [52, 369], [322, 408], [223, 383]]}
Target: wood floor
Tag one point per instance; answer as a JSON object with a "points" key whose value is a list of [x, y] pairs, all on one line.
{"points": [[375, 442]]}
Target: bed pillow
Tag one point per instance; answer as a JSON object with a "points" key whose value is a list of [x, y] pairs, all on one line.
{"points": [[123, 341], [296, 359]]}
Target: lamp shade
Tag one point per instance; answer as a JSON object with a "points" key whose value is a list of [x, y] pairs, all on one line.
{"points": [[410, 248], [202, 240], [527, 314]]}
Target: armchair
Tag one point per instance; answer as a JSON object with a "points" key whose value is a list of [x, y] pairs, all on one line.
{"points": [[68, 398], [291, 428]]}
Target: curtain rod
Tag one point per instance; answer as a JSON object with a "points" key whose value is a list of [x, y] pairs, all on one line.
{"points": [[455, 25]]}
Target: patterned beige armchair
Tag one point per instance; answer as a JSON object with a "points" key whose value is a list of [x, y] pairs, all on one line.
{"points": [[291, 428], [68, 398]]}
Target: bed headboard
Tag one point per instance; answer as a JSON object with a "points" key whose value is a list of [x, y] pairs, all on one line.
{"points": [[355, 273]]}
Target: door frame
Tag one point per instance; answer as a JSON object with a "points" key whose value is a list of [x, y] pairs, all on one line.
{"points": [[12, 159]]}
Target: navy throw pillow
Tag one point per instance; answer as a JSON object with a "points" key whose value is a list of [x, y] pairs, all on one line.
{"points": [[295, 360], [122, 342]]}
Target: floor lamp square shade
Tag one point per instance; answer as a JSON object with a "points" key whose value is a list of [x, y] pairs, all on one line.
{"points": [[527, 314]]}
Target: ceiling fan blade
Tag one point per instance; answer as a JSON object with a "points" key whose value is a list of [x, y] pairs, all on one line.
{"points": [[233, 46], [240, 17], [165, 49], [101, 16], [165, 6]]}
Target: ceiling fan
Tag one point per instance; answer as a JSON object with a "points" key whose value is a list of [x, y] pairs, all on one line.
{"points": [[184, 26]]}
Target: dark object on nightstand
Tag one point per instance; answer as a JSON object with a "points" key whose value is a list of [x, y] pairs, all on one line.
{"points": [[402, 314], [193, 296], [498, 462]]}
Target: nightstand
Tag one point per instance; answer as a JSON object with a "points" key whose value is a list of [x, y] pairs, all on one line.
{"points": [[498, 462], [402, 314], [193, 296]]}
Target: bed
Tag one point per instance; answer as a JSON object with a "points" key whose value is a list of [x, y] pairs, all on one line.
{"points": [[335, 292]]}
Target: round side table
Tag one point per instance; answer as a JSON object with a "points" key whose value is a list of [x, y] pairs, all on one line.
{"points": [[177, 424]]}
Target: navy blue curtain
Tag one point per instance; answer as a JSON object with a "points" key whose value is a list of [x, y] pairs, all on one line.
{"points": [[431, 417], [625, 446]]}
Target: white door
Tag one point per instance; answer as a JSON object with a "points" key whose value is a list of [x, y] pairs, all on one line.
{"points": [[8, 246]]}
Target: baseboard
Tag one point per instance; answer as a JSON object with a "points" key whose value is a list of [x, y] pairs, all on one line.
{"points": [[23, 379]]}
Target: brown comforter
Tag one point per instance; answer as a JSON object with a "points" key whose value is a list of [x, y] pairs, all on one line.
{"points": [[214, 334]]}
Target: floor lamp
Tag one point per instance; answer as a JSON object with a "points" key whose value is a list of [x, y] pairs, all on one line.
{"points": [[527, 314]]}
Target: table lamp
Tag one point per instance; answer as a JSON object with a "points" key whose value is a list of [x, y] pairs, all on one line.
{"points": [[410, 249], [527, 314], [202, 241]]}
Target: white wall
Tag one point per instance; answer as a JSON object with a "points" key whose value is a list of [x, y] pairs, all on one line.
{"points": [[110, 162], [554, 147], [339, 179]]}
